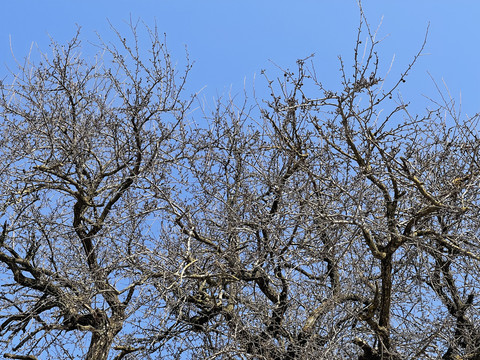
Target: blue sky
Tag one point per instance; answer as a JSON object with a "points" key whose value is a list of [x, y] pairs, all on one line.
{"points": [[231, 41]]}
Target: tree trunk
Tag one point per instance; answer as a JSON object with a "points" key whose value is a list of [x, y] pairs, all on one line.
{"points": [[100, 345], [386, 299]]}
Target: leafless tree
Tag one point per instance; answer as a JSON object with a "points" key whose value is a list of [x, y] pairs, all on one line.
{"points": [[332, 224], [317, 224], [82, 144]]}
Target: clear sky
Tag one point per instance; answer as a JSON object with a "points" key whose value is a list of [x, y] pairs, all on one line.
{"points": [[231, 41]]}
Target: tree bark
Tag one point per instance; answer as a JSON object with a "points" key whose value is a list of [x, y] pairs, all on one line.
{"points": [[101, 343], [386, 301]]}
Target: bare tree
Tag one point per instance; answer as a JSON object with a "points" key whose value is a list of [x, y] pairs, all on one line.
{"points": [[334, 224], [82, 142], [317, 224]]}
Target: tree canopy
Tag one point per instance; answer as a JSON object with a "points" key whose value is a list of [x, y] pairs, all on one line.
{"points": [[314, 224]]}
